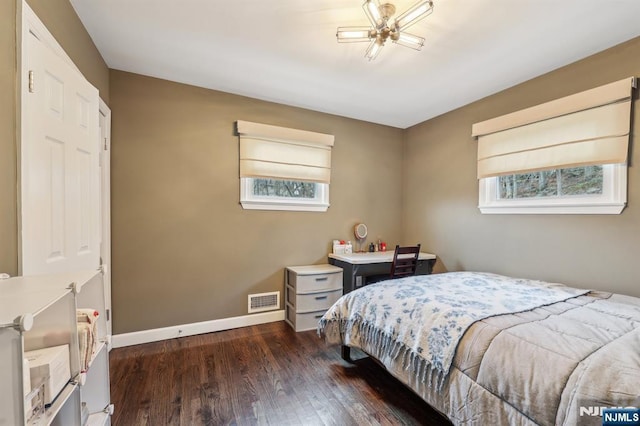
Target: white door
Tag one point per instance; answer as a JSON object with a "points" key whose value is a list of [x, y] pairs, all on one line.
{"points": [[60, 175], [105, 206]]}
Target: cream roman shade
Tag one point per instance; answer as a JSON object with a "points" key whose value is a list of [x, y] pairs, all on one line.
{"points": [[587, 128], [282, 153]]}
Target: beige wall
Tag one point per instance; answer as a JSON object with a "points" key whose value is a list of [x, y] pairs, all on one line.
{"points": [[8, 218], [64, 24], [184, 250], [441, 195]]}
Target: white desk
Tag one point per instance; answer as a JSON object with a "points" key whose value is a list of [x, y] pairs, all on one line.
{"points": [[361, 269]]}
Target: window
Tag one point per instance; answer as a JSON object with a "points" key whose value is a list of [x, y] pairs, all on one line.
{"points": [[577, 181], [599, 189], [284, 169], [277, 194], [289, 189], [565, 156]]}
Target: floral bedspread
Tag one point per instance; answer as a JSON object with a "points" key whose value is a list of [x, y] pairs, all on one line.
{"points": [[421, 319]]}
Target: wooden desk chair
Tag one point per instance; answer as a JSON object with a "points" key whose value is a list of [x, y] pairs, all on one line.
{"points": [[405, 261]]}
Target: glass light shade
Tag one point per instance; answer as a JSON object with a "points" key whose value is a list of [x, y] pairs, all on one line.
{"points": [[353, 34], [372, 10], [374, 49], [415, 13], [409, 40]]}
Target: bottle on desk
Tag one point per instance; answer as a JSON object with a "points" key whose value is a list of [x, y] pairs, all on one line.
{"points": [[349, 248]]}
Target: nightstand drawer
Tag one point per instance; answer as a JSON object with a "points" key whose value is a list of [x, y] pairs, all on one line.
{"points": [[305, 321], [316, 282], [307, 302]]}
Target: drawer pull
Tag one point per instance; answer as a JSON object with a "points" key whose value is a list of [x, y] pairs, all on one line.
{"points": [[322, 279], [321, 297], [318, 316]]}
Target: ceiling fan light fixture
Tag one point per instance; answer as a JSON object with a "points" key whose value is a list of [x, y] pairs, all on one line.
{"points": [[383, 27], [354, 34], [414, 14]]}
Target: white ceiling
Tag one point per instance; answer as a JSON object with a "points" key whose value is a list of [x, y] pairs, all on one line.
{"points": [[285, 51]]}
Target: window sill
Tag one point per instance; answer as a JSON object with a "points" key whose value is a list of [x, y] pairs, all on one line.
{"points": [[286, 205], [613, 208]]}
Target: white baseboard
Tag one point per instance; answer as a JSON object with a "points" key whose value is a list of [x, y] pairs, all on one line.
{"points": [[156, 334]]}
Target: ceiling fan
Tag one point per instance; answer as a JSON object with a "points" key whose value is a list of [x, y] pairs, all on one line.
{"points": [[383, 27]]}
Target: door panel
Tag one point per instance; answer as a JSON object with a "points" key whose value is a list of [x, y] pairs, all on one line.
{"points": [[55, 203], [60, 197]]}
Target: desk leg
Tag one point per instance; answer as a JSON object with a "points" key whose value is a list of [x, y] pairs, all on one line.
{"points": [[345, 351]]}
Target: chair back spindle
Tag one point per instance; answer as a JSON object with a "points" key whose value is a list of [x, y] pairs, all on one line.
{"points": [[405, 261]]}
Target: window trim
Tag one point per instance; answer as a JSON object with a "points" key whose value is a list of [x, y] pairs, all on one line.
{"points": [[612, 201], [253, 202]]}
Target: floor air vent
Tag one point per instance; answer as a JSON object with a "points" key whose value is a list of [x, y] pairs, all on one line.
{"points": [[264, 301]]}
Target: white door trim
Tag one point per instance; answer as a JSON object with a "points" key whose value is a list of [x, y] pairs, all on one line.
{"points": [[105, 207]]}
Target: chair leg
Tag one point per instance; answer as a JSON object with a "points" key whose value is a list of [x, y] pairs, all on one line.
{"points": [[345, 351]]}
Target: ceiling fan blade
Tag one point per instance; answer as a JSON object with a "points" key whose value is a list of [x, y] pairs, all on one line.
{"points": [[354, 34], [408, 40]]}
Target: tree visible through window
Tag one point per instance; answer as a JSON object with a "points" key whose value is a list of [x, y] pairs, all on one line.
{"points": [[283, 188], [552, 183]]}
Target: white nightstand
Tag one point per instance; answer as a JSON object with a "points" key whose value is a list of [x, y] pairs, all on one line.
{"points": [[310, 291]]}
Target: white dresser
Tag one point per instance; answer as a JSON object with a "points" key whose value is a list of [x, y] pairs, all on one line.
{"points": [[310, 291]]}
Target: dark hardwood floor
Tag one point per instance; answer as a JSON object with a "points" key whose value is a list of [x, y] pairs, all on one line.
{"points": [[265, 374]]}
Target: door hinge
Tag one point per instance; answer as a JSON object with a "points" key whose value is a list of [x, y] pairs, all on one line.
{"points": [[31, 88], [108, 312], [106, 148]]}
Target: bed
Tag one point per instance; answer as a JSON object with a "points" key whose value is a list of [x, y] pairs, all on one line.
{"points": [[488, 349]]}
